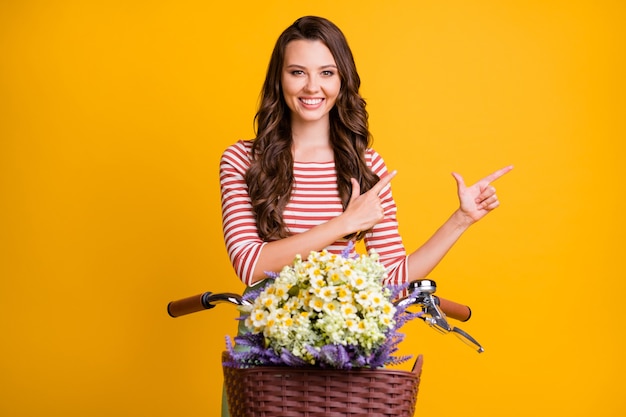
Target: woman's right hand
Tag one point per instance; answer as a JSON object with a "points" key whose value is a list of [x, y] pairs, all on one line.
{"points": [[365, 210]]}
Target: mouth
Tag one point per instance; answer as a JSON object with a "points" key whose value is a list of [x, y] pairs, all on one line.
{"points": [[311, 101]]}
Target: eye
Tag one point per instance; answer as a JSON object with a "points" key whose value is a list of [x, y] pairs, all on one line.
{"points": [[328, 73], [297, 72]]}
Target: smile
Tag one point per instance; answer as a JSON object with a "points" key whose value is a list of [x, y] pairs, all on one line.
{"points": [[311, 101]]}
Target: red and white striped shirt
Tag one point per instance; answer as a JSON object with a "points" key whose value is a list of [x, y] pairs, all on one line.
{"points": [[314, 200]]}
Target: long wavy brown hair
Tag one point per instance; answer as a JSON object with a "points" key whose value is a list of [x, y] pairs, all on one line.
{"points": [[270, 176]]}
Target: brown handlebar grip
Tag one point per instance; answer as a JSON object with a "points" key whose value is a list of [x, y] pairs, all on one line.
{"points": [[454, 310], [188, 305]]}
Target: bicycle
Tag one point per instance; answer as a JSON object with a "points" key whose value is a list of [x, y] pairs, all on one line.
{"points": [[264, 391]]}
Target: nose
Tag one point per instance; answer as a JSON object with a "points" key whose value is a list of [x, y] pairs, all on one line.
{"points": [[312, 84]]}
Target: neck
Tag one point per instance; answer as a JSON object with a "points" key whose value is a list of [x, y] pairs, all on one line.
{"points": [[314, 131], [311, 142]]}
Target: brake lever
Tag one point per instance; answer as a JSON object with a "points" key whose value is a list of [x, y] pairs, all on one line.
{"points": [[434, 316], [467, 339], [421, 294]]}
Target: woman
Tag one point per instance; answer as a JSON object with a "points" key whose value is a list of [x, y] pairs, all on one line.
{"points": [[309, 180]]}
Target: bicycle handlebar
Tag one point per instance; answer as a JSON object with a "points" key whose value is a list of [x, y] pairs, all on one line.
{"points": [[454, 310], [435, 309], [199, 302], [208, 300]]}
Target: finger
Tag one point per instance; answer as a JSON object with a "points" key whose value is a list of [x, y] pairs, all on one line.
{"points": [[492, 205], [485, 193], [488, 202], [460, 183], [497, 174], [384, 181], [356, 189]]}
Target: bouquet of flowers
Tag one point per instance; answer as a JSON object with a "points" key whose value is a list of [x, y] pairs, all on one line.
{"points": [[330, 311]]}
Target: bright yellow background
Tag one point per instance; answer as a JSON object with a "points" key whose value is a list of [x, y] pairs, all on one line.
{"points": [[113, 115]]}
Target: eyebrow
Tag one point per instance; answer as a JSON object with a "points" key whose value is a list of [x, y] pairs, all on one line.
{"points": [[303, 67]]}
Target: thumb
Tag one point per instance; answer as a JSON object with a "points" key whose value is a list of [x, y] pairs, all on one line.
{"points": [[356, 189], [459, 180]]}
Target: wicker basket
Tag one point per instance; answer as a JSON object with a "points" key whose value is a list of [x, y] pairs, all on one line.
{"points": [[313, 392]]}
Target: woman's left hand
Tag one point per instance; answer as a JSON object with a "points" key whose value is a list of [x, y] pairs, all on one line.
{"points": [[477, 200]]}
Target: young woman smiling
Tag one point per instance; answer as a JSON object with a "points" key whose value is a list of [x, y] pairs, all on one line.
{"points": [[310, 181]]}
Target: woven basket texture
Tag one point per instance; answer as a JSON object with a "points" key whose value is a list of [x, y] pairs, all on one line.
{"points": [[315, 392]]}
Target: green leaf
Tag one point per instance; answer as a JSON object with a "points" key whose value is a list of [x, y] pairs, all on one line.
{"points": [[294, 291]]}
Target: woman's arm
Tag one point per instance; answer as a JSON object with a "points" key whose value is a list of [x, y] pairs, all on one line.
{"points": [[252, 257], [476, 202]]}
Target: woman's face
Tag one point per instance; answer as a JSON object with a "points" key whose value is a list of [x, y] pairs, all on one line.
{"points": [[310, 80]]}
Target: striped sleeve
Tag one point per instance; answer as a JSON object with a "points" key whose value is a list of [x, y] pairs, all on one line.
{"points": [[384, 238], [242, 240]]}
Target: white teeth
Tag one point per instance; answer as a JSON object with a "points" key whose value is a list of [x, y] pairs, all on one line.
{"points": [[311, 101]]}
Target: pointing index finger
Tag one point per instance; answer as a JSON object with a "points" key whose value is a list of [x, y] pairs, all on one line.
{"points": [[378, 187], [498, 174]]}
